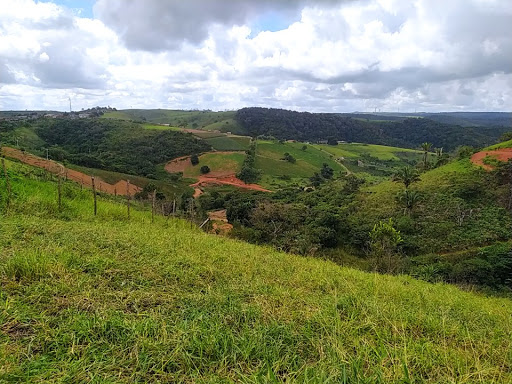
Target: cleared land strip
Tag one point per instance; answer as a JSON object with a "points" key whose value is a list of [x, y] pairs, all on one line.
{"points": [[120, 188], [500, 154]]}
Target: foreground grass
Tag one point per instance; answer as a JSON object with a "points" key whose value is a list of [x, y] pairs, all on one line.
{"points": [[85, 299]]}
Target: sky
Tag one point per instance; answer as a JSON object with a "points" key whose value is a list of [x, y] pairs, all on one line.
{"points": [[305, 55]]}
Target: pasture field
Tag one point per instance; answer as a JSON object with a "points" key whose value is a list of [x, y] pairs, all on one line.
{"points": [[269, 159], [161, 127], [203, 120], [107, 299], [229, 143], [356, 150], [221, 164]]}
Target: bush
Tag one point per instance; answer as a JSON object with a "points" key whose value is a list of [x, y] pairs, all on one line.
{"points": [[205, 169]]}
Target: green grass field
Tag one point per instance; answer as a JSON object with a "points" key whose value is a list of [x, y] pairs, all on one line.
{"points": [[356, 150], [104, 299], [224, 163], [229, 143], [269, 155], [204, 120], [505, 144], [161, 127]]}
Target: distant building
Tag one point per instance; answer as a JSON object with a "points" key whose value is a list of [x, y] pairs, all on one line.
{"points": [[322, 141]]}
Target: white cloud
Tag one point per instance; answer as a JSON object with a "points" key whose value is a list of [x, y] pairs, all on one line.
{"points": [[333, 56], [43, 57]]}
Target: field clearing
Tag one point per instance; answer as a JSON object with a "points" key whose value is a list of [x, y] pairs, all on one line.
{"points": [[205, 134], [229, 143], [269, 155], [354, 150], [157, 127], [121, 187], [220, 163], [502, 155], [228, 125]]}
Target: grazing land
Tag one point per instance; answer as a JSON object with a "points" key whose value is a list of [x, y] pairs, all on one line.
{"points": [[83, 299]]}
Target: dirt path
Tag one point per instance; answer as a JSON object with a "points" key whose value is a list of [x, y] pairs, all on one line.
{"points": [[205, 180], [214, 178], [220, 225], [120, 188], [500, 154]]}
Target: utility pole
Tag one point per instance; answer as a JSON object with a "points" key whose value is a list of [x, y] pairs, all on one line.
{"points": [[47, 155]]}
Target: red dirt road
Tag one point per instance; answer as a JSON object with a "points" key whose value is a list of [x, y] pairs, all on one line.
{"points": [[213, 178], [501, 154], [205, 181], [120, 188]]}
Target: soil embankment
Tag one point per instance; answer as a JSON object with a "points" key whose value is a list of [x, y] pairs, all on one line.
{"points": [[500, 154], [205, 181], [218, 177], [120, 188]]}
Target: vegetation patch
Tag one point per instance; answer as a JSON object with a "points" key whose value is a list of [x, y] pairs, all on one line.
{"points": [[122, 300]]}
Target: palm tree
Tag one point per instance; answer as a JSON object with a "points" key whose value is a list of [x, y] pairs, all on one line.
{"points": [[426, 148], [409, 199], [407, 176]]}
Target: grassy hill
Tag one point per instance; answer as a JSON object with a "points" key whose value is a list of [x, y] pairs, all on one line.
{"points": [[205, 120], [103, 299]]}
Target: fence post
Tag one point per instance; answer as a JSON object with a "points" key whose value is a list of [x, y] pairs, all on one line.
{"points": [[60, 193], [7, 183], [153, 197], [94, 194], [128, 197]]}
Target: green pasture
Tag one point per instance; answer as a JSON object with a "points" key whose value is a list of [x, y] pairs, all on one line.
{"points": [[225, 163], [104, 299]]}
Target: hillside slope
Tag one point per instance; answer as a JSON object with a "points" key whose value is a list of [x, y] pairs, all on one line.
{"points": [[103, 299], [409, 132]]}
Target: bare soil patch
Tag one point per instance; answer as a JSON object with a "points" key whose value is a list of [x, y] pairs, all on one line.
{"points": [[178, 165], [120, 188], [500, 154], [207, 180]]}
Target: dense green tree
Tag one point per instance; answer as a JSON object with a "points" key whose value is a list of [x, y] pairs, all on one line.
{"points": [[326, 171], [506, 136], [289, 158], [205, 169], [194, 159]]}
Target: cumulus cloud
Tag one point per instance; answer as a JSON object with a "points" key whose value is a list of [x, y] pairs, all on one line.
{"points": [[328, 55], [158, 25]]}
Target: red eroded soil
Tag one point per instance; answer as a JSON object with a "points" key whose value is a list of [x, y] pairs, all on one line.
{"points": [[220, 225], [178, 165], [120, 188], [503, 154], [205, 180]]}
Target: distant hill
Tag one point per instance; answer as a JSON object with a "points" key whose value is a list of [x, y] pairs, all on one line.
{"points": [[205, 120], [464, 119], [402, 131]]}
